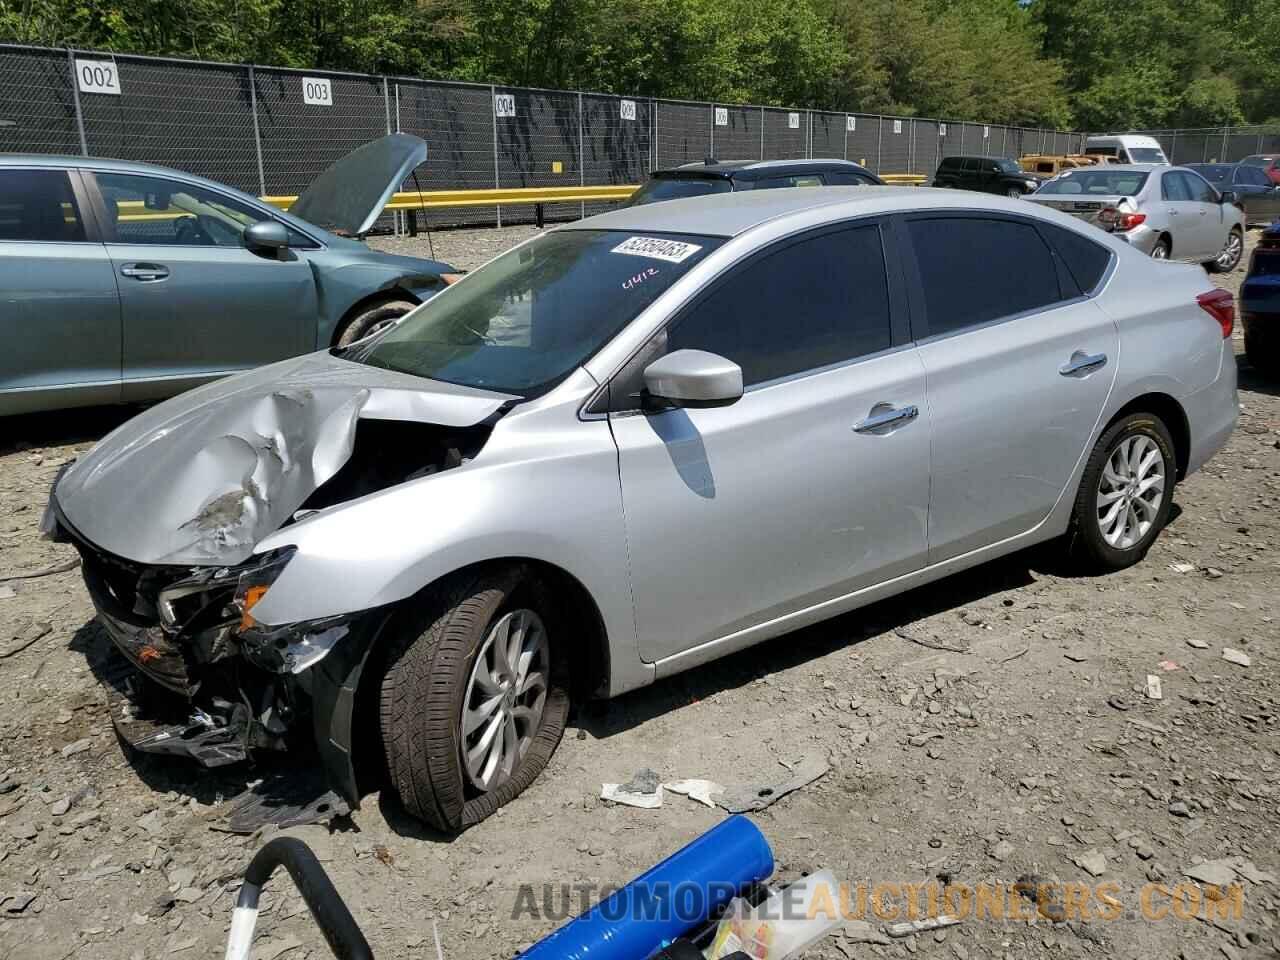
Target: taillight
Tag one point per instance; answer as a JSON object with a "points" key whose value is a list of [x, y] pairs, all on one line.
{"points": [[1220, 305], [1119, 220]]}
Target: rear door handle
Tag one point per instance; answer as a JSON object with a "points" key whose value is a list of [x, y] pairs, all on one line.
{"points": [[144, 271], [1082, 362], [884, 415]]}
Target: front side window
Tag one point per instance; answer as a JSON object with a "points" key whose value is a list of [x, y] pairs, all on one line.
{"points": [[525, 321], [153, 210], [1146, 155], [1199, 189], [961, 285], [1174, 187], [38, 205], [813, 303], [790, 180]]}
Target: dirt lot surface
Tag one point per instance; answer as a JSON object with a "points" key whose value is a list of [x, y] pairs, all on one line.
{"points": [[989, 727]]}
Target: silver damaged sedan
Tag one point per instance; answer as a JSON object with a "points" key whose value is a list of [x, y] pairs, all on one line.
{"points": [[623, 449]]}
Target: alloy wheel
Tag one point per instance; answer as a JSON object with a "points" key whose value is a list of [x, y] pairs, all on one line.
{"points": [[504, 700], [1160, 252], [1130, 491], [1231, 253]]}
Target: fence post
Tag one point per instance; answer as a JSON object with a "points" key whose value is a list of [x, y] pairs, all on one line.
{"points": [[257, 134], [1173, 147], [845, 155], [75, 96], [879, 143], [911, 148], [762, 133], [582, 157], [493, 113], [712, 118], [962, 126], [1004, 143], [653, 134], [809, 146]]}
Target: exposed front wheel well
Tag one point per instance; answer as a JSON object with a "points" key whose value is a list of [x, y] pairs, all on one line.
{"points": [[1175, 419]]}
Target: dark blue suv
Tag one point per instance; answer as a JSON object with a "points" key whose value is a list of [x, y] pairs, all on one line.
{"points": [[1260, 304], [723, 176]]}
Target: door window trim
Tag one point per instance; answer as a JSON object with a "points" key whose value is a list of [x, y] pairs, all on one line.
{"points": [[600, 405], [100, 209], [915, 288]]}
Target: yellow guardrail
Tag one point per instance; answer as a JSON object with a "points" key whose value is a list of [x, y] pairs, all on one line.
{"points": [[904, 179], [429, 199]]}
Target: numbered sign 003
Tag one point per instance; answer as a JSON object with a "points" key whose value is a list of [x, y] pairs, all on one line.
{"points": [[317, 91], [97, 76]]}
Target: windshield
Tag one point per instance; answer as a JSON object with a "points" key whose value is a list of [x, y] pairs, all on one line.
{"points": [[1214, 173], [1146, 155], [1263, 162], [525, 321], [1097, 182], [673, 188]]}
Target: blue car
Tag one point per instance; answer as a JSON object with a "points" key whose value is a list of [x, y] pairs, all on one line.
{"points": [[128, 283], [1260, 304]]}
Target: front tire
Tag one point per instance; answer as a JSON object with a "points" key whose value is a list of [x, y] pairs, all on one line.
{"points": [[1013, 193], [475, 696], [1125, 495], [371, 319]]}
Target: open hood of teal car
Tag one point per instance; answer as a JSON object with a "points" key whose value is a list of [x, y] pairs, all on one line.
{"points": [[348, 197]]}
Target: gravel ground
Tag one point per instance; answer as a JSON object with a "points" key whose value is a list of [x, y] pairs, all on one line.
{"points": [[986, 728]]}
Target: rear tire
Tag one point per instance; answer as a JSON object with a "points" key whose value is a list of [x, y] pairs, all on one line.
{"points": [[1125, 494], [429, 684], [1161, 250], [1261, 354], [1230, 256], [370, 319]]}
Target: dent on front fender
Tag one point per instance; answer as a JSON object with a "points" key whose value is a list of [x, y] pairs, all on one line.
{"points": [[564, 510]]}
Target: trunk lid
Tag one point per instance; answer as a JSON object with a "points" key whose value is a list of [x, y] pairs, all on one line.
{"points": [[349, 196]]}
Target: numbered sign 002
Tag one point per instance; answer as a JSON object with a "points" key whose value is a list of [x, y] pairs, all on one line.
{"points": [[317, 91], [97, 76]]}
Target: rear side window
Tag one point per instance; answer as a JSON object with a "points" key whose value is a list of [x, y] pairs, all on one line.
{"points": [[38, 205], [813, 303], [1085, 260], [949, 163], [974, 270], [849, 179]]}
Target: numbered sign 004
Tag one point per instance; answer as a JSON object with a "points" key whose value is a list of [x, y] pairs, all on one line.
{"points": [[317, 91], [97, 76], [504, 105]]}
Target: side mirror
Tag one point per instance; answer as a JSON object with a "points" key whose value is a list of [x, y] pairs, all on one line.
{"points": [[693, 378], [266, 235], [1228, 196]]}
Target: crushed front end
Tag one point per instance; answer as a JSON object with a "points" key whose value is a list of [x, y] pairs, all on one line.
{"points": [[193, 675]]}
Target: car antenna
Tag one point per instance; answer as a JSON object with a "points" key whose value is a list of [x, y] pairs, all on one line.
{"points": [[431, 247]]}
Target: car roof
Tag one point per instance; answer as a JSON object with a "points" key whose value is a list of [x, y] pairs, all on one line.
{"points": [[732, 214], [757, 169]]}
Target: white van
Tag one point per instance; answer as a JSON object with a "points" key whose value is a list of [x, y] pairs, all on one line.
{"points": [[1126, 148]]}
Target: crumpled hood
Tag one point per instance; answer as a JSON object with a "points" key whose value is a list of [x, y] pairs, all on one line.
{"points": [[201, 478]]}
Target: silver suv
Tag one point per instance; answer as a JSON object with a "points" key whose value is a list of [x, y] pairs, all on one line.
{"points": [[1168, 213], [623, 449]]}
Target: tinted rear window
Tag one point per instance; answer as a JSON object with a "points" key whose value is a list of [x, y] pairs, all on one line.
{"points": [[1214, 172], [974, 270], [38, 205], [673, 188], [1086, 261]]}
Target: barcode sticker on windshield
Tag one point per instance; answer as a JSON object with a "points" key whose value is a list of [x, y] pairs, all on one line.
{"points": [[673, 251]]}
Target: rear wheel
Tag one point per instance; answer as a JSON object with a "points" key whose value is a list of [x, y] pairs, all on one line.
{"points": [[1125, 495], [475, 696], [371, 319], [1161, 250], [1229, 258]]}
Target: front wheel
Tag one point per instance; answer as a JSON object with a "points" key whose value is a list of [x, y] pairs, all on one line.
{"points": [[475, 697], [1229, 258], [370, 320], [1013, 193], [1125, 495]]}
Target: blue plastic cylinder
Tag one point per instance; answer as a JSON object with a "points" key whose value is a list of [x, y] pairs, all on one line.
{"points": [[666, 901]]}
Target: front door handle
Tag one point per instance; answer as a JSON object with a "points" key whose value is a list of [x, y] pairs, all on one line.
{"points": [[1082, 362], [884, 415], [144, 271]]}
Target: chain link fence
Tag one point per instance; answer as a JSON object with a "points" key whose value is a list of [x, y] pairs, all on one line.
{"points": [[1216, 144], [270, 131]]}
